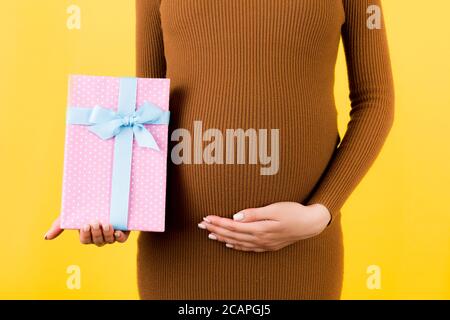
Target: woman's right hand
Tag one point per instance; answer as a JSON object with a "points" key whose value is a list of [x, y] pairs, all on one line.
{"points": [[93, 233]]}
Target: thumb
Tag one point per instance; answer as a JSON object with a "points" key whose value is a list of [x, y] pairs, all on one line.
{"points": [[254, 214], [54, 231]]}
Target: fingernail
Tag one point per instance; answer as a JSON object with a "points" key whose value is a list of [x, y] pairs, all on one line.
{"points": [[201, 226], [229, 245], [95, 225], [86, 228], [45, 236], [106, 227], [206, 219], [238, 216], [117, 234], [212, 236]]}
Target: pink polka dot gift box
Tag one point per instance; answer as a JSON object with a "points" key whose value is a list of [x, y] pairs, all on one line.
{"points": [[115, 157]]}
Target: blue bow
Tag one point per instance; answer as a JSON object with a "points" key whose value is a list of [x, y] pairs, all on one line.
{"points": [[124, 124], [106, 123]]}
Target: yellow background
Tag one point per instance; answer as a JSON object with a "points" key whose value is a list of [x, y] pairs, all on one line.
{"points": [[397, 219]]}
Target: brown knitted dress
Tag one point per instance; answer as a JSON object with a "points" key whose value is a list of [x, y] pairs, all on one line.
{"points": [[261, 64]]}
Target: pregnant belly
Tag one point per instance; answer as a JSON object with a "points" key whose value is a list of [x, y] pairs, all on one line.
{"points": [[200, 185], [307, 136]]}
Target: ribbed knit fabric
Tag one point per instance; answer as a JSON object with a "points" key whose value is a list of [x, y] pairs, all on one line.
{"points": [[261, 64]]}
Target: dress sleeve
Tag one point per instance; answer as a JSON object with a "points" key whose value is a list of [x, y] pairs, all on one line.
{"points": [[150, 60], [372, 105]]}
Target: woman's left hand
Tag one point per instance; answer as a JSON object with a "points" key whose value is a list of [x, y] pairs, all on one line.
{"points": [[268, 228]]}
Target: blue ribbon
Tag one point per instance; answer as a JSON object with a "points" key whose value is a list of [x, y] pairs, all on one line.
{"points": [[122, 125]]}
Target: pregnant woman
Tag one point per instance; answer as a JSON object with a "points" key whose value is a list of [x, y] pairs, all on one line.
{"points": [[231, 232]]}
